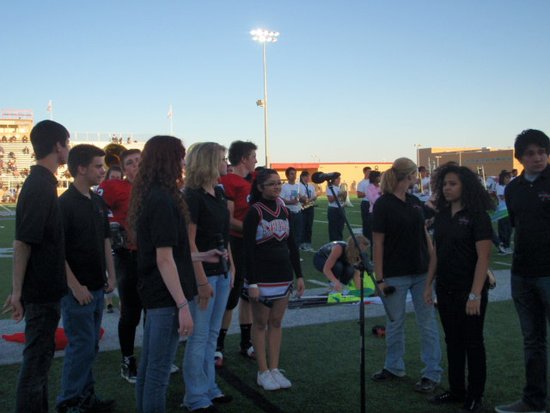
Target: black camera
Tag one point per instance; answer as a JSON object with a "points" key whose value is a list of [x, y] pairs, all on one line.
{"points": [[118, 236]]}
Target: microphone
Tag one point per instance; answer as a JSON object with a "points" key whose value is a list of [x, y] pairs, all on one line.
{"points": [[320, 177]]}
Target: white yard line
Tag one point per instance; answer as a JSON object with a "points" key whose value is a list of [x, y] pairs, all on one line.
{"points": [[503, 263], [316, 282]]}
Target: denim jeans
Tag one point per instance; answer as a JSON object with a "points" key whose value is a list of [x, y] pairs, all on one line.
{"points": [[425, 320], [465, 343], [160, 342], [32, 386], [532, 298], [82, 324], [198, 364]]}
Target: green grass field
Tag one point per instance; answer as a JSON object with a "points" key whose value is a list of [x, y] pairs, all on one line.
{"points": [[323, 363], [321, 360]]}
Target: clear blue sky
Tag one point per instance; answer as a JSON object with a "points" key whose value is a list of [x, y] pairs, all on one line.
{"points": [[360, 80]]}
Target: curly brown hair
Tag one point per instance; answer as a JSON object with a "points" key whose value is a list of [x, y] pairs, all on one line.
{"points": [[160, 167]]}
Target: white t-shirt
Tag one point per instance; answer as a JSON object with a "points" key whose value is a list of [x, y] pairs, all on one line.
{"points": [[304, 192], [362, 187], [291, 191], [500, 193], [333, 204]]}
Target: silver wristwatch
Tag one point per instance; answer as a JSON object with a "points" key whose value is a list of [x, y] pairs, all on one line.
{"points": [[473, 297]]}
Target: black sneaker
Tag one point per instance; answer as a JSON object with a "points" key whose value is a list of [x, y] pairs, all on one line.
{"points": [[384, 375], [446, 398], [94, 404], [128, 369], [472, 406], [425, 385], [248, 352]]}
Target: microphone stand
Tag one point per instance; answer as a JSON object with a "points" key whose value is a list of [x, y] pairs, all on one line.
{"points": [[364, 266]]}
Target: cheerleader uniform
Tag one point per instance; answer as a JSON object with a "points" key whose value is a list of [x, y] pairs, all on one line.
{"points": [[271, 254]]}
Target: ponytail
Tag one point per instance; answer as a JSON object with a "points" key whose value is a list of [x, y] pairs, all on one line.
{"points": [[401, 168]]}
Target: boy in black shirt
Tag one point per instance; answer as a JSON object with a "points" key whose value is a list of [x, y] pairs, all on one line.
{"points": [[88, 258], [528, 202], [39, 264]]}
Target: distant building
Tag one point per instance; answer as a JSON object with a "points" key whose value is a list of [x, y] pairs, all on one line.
{"points": [[351, 172], [15, 125], [489, 161]]}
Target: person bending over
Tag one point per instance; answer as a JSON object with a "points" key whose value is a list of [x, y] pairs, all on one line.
{"points": [[338, 261]]}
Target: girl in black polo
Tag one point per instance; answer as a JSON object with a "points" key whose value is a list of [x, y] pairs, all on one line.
{"points": [[166, 280], [401, 259], [271, 258], [208, 229], [462, 233]]}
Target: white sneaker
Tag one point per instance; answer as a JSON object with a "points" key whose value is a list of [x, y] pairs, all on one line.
{"points": [[218, 359], [266, 380], [174, 369], [281, 379]]}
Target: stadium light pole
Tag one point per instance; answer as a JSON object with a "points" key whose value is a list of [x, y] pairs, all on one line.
{"points": [[265, 36], [417, 146]]}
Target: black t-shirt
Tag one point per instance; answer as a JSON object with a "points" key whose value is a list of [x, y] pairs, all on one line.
{"points": [[162, 225], [402, 223], [38, 223], [271, 254], [211, 216], [528, 206], [86, 225], [455, 241]]}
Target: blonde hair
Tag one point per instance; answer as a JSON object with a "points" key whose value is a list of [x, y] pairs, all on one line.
{"points": [[352, 253], [401, 168], [202, 164]]}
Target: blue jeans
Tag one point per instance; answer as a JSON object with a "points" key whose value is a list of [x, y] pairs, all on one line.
{"points": [[532, 298], [160, 342], [82, 324], [425, 320], [32, 385], [199, 372]]}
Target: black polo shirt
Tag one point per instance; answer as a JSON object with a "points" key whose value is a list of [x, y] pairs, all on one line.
{"points": [[86, 225], [211, 216], [528, 206], [38, 223], [402, 223], [455, 240], [162, 225]]}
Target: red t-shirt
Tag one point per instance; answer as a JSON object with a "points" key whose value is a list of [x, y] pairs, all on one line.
{"points": [[237, 189], [116, 193]]}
